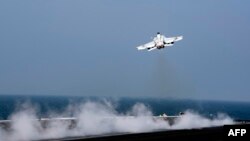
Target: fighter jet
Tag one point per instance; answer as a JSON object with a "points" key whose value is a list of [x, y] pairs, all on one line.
{"points": [[159, 42]]}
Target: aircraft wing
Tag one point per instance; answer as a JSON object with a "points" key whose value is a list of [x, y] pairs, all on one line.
{"points": [[150, 46], [172, 39]]}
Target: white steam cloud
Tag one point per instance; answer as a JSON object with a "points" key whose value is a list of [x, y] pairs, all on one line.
{"points": [[96, 118]]}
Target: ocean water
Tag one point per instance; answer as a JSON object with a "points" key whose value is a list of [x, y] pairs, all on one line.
{"points": [[46, 104]]}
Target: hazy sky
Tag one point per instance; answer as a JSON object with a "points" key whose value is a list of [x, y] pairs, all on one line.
{"points": [[87, 47]]}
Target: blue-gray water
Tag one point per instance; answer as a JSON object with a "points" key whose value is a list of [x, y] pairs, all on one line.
{"points": [[46, 104]]}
